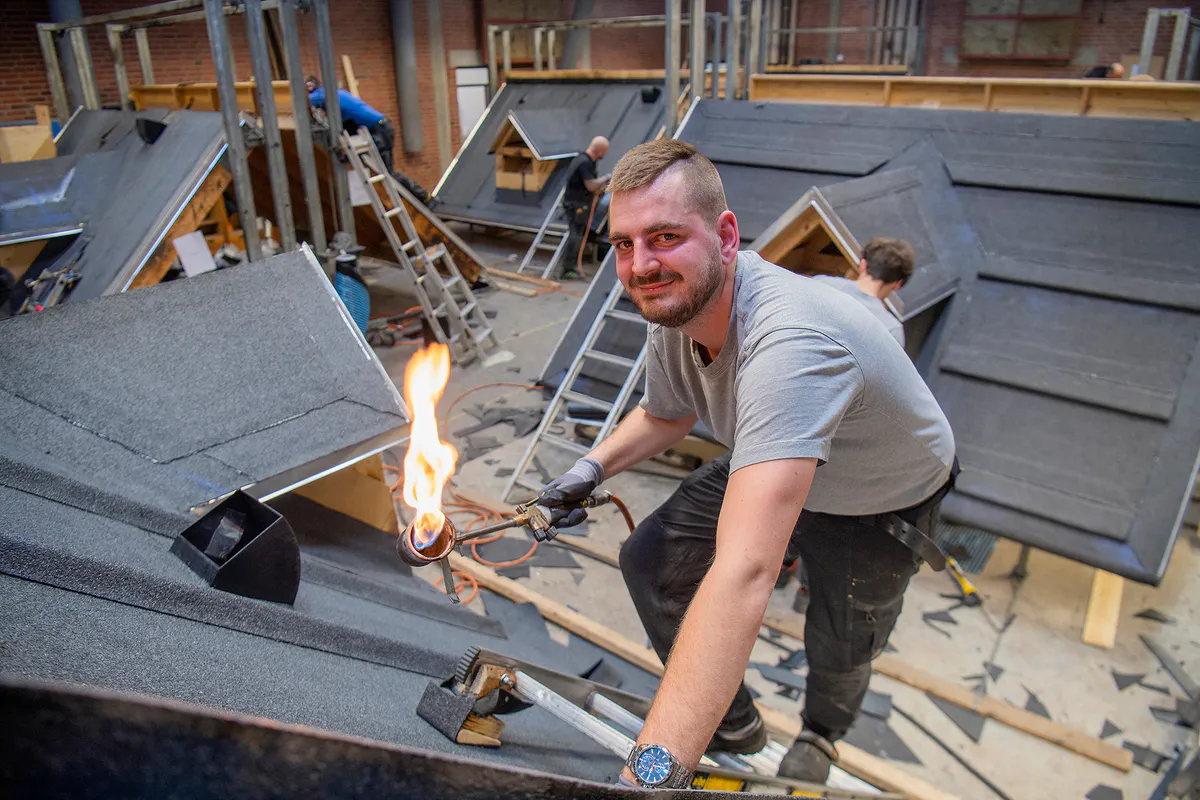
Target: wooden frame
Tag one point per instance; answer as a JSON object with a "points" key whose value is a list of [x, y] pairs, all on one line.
{"points": [[799, 238], [203, 96], [1089, 98], [518, 166], [192, 217]]}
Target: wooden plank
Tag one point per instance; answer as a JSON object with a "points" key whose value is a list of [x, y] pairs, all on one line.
{"points": [[28, 142], [17, 258], [351, 81], [512, 288], [193, 215], [885, 775], [1104, 610], [517, 276], [1055, 732], [350, 492]]}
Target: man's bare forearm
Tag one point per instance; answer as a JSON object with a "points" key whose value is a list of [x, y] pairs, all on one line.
{"points": [[639, 436]]}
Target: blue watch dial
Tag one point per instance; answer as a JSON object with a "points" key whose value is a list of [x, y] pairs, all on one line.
{"points": [[653, 766]]}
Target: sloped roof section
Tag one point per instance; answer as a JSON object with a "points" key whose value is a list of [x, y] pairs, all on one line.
{"points": [[261, 372], [551, 134], [124, 192], [616, 109]]}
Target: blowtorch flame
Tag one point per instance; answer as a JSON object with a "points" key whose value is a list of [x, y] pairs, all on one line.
{"points": [[429, 462]]}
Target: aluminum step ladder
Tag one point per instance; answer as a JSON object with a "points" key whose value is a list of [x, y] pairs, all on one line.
{"points": [[554, 227], [447, 302], [609, 315]]}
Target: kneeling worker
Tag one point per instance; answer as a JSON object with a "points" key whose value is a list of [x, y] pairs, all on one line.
{"points": [[886, 265], [839, 454], [357, 113], [583, 184]]}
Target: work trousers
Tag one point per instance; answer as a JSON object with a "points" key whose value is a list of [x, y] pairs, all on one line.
{"points": [[577, 223], [857, 574], [385, 139]]}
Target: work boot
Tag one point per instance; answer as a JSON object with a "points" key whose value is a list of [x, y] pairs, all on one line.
{"points": [[745, 735], [809, 758]]}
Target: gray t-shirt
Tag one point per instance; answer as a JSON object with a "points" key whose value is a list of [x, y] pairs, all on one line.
{"points": [[873, 304], [806, 372]]}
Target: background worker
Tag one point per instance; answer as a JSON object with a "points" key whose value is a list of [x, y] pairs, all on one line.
{"points": [[885, 266], [357, 113], [1114, 71], [838, 452], [583, 185]]}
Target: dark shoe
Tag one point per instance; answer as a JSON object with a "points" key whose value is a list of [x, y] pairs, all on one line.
{"points": [[745, 736], [809, 758], [570, 275]]}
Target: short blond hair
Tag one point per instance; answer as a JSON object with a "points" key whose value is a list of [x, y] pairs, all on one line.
{"points": [[642, 165]]}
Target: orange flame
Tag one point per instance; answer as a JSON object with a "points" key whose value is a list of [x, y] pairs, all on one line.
{"points": [[429, 462]]}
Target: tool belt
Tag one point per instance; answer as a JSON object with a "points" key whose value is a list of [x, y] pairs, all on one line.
{"points": [[912, 537]]}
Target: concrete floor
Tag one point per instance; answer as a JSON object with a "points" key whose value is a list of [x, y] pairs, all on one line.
{"points": [[1041, 652]]}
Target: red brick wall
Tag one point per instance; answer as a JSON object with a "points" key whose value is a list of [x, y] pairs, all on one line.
{"points": [[1119, 33]]}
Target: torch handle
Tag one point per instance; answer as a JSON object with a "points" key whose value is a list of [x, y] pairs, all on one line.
{"points": [[478, 533]]}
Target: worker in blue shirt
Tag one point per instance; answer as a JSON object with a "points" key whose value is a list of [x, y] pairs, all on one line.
{"points": [[356, 113]]}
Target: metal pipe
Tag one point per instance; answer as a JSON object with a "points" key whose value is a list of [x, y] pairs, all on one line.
{"points": [[1178, 42], [671, 77], [733, 46], [715, 92], [835, 16], [577, 39], [696, 57], [142, 39], [222, 52], [260, 58], [333, 113], [551, 44], [753, 44], [83, 62], [113, 32], [302, 125], [1149, 34], [58, 88], [506, 50], [441, 84], [404, 52], [493, 76], [1189, 69]]}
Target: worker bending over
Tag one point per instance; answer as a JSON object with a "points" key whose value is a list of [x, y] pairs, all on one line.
{"points": [[838, 453], [357, 113], [583, 185], [885, 266]]}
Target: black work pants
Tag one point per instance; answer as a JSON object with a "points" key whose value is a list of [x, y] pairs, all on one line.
{"points": [[857, 574], [385, 140]]}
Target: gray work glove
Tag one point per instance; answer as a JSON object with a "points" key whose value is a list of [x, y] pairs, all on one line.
{"points": [[573, 486]]}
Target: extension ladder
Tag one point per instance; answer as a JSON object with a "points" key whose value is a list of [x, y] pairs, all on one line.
{"points": [[566, 393], [552, 226], [446, 301]]}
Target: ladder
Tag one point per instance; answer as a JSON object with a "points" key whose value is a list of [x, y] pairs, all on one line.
{"points": [[607, 716], [635, 367], [553, 226], [447, 302]]}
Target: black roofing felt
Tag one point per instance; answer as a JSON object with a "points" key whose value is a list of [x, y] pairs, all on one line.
{"points": [[147, 403], [124, 191], [553, 112], [552, 133]]}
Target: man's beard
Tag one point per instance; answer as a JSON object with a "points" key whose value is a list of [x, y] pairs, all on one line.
{"points": [[676, 311]]}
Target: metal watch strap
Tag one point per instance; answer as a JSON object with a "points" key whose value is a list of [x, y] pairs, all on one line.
{"points": [[680, 778]]}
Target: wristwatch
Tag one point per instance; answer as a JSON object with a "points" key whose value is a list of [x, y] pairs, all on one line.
{"points": [[654, 767]]}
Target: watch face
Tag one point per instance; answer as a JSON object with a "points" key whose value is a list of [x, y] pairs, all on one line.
{"points": [[653, 766]]}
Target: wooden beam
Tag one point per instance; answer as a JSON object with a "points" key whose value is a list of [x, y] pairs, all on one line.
{"points": [[517, 276], [193, 215], [351, 81], [1054, 732], [876, 771], [1104, 610]]}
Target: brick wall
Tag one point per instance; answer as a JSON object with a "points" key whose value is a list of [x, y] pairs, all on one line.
{"points": [[1097, 41]]}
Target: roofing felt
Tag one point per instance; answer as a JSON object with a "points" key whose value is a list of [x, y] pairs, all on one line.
{"points": [[125, 192], [551, 133], [150, 402], [1068, 358], [614, 109]]}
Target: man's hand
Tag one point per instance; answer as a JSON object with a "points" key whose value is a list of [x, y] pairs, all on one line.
{"points": [[573, 486]]}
